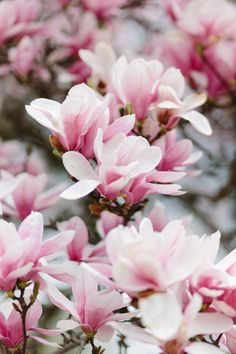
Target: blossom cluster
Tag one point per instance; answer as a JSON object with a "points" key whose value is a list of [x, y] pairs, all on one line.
{"points": [[117, 263]]}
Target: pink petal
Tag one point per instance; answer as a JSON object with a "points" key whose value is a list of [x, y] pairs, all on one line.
{"points": [[56, 243], [120, 125]]}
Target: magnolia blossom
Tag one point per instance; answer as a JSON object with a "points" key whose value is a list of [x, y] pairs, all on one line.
{"points": [[93, 309], [177, 155], [193, 65], [173, 328], [17, 18], [136, 83], [100, 61], [208, 21], [79, 249], [170, 106], [215, 281], [76, 121], [103, 8], [22, 252], [145, 259], [72, 33], [125, 168], [23, 56], [29, 195], [11, 332], [14, 159]]}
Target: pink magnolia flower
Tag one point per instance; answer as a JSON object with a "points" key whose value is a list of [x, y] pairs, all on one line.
{"points": [[170, 107], [136, 83], [100, 61], [169, 47], [125, 167], [92, 309], [11, 333], [22, 252], [145, 259], [23, 56], [76, 121], [225, 301], [17, 19], [29, 195], [177, 155], [214, 281], [173, 328], [13, 158], [79, 249], [103, 8], [79, 30], [208, 21]]}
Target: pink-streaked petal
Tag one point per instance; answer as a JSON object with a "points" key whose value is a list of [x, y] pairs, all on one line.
{"points": [[120, 125], [56, 243]]}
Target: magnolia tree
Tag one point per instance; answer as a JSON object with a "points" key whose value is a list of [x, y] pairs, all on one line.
{"points": [[112, 103]]}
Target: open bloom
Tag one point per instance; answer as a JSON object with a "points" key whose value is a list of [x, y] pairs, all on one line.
{"points": [[17, 19], [93, 309], [11, 332], [208, 21], [173, 327], [215, 282], [136, 83], [29, 195], [75, 122], [170, 106], [125, 168], [14, 159], [100, 61], [22, 252], [145, 259]]}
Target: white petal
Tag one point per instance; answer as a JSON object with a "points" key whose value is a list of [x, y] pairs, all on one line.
{"points": [[198, 121], [79, 189], [78, 166], [162, 314], [209, 323], [195, 100], [202, 348]]}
